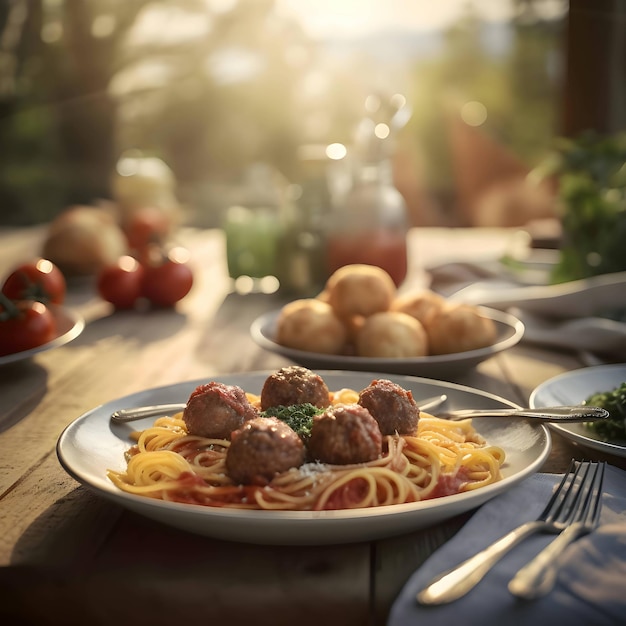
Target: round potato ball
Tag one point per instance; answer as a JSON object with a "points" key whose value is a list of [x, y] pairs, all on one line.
{"points": [[311, 325], [459, 327], [391, 334], [358, 289]]}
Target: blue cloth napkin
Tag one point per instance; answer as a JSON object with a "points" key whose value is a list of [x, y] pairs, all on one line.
{"points": [[591, 586]]}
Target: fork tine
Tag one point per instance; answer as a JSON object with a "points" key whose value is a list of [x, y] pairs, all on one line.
{"points": [[580, 491], [587, 493], [598, 488], [567, 495], [558, 495]]}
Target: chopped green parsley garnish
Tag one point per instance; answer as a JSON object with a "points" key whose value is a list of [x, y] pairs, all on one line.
{"points": [[298, 416]]}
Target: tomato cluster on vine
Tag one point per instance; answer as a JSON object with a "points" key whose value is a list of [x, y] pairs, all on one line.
{"points": [[160, 277], [27, 300]]}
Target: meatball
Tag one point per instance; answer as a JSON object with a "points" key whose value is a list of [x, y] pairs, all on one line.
{"points": [[294, 385], [391, 406], [344, 434], [262, 448], [214, 410]]}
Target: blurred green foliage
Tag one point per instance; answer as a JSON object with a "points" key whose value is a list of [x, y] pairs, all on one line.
{"points": [[519, 90], [591, 174]]}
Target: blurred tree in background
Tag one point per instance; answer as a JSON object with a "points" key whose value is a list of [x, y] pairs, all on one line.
{"points": [[59, 118], [212, 87], [57, 124], [518, 85]]}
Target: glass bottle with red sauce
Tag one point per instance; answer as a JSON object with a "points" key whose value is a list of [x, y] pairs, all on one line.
{"points": [[370, 224]]}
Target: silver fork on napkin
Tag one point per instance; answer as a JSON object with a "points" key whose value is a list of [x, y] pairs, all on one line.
{"points": [[537, 578], [556, 517]]}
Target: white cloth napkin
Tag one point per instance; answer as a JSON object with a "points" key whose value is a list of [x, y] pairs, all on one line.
{"points": [[591, 585], [596, 335]]}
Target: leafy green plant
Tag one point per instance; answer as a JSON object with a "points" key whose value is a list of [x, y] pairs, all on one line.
{"points": [[591, 175]]}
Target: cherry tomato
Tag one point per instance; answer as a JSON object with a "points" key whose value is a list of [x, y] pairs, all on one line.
{"points": [[25, 324], [40, 280], [146, 226], [120, 283], [169, 281]]}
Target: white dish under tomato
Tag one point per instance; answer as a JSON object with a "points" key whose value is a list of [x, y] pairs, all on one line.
{"points": [[92, 445], [69, 325]]}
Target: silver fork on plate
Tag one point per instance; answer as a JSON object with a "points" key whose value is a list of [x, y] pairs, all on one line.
{"points": [[556, 517], [537, 578], [122, 416]]}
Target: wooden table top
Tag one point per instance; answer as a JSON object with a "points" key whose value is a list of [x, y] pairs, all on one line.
{"points": [[69, 556]]}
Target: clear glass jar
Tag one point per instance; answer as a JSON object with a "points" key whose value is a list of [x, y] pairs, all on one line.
{"points": [[253, 227], [302, 267], [252, 240], [370, 224]]}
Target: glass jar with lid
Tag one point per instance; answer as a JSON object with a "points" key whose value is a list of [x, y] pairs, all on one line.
{"points": [[253, 226], [370, 224], [370, 220], [302, 267]]}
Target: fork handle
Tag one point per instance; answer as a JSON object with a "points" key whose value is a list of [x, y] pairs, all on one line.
{"points": [[455, 583], [130, 415], [537, 577]]}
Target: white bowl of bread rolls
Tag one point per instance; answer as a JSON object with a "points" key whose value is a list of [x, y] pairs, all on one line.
{"points": [[362, 322]]}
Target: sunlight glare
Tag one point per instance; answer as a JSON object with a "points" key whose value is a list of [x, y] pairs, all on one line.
{"points": [[382, 131], [336, 151], [103, 26], [474, 113], [350, 18]]}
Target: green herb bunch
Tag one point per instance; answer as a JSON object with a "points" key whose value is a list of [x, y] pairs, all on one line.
{"points": [[591, 175], [614, 401]]}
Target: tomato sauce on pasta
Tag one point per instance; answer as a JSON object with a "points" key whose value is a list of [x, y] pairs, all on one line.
{"points": [[441, 458]]}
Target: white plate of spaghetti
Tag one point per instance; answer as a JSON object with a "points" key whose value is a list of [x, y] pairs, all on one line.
{"points": [[94, 450]]}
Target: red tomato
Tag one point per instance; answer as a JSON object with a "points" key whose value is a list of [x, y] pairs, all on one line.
{"points": [[120, 284], [25, 324], [164, 284], [145, 227], [40, 280]]}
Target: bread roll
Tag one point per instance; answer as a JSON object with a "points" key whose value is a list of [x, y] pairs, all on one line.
{"points": [[420, 305], [311, 325], [83, 239], [391, 334], [459, 327], [358, 289]]}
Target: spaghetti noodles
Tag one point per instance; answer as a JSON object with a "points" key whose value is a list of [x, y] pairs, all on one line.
{"points": [[441, 458]]}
